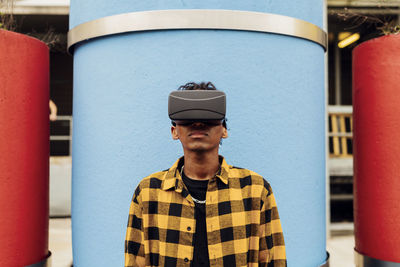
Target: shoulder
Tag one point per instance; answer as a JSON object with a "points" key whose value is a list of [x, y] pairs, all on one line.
{"points": [[246, 176], [250, 178], [149, 185], [153, 180]]}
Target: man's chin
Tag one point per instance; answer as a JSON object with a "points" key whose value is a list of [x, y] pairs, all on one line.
{"points": [[201, 148]]}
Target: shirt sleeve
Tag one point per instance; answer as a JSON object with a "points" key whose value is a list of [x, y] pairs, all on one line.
{"points": [[272, 245], [134, 246]]}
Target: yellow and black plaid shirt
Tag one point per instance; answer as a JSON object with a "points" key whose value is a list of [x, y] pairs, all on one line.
{"points": [[243, 226]]}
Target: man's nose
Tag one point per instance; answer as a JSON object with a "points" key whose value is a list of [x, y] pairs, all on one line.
{"points": [[198, 124]]}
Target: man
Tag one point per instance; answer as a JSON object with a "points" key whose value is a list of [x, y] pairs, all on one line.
{"points": [[202, 211], [53, 110]]}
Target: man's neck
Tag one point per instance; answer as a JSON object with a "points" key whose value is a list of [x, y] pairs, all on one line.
{"points": [[201, 166]]}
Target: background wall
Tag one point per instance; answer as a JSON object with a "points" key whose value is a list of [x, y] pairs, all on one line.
{"points": [[275, 88]]}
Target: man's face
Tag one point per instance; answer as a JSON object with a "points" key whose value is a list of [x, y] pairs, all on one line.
{"points": [[200, 136]]}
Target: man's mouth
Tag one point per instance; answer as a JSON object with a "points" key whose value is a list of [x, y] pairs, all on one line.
{"points": [[198, 134]]}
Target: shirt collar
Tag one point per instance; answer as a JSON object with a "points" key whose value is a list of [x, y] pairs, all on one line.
{"points": [[172, 176]]}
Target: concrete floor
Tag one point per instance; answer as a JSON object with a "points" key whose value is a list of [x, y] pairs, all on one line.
{"points": [[60, 244], [341, 250]]}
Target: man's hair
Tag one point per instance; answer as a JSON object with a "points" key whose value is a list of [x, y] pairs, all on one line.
{"points": [[201, 86]]}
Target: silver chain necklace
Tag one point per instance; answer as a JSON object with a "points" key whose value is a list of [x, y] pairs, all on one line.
{"points": [[194, 199], [199, 201]]}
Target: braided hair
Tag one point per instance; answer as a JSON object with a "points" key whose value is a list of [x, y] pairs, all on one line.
{"points": [[196, 86]]}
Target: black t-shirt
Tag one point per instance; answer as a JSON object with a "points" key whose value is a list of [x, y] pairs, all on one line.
{"points": [[198, 189]]}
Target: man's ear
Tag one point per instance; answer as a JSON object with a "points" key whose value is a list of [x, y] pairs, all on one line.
{"points": [[225, 133], [174, 133]]}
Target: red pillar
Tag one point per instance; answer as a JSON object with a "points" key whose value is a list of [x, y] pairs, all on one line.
{"points": [[24, 146], [376, 110]]}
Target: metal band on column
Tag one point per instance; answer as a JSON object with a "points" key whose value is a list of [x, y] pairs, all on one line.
{"points": [[44, 263], [326, 263], [365, 261], [197, 19]]}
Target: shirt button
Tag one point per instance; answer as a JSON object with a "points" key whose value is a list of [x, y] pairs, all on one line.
{"points": [[189, 228], [186, 259]]}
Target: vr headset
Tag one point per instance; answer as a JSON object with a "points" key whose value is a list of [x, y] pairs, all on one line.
{"points": [[197, 105]]}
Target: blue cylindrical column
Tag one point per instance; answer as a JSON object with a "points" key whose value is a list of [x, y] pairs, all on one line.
{"points": [[275, 94]]}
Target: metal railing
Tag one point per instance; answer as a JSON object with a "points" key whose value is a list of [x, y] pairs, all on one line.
{"points": [[340, 131], [64, 137]]}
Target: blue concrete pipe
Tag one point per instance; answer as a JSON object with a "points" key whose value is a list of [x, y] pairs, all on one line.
{"points": [[276, 108]]}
